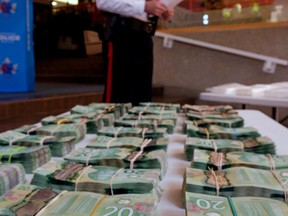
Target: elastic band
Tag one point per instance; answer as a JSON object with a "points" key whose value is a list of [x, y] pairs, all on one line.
{"points": [[92, 153], [110, 142], [214, 145], [220, 160], [10, 153], [241, 144], [271, 162], [216, 181], [135, 124], [155, 124], [207, 133], [144, 131], [55, 129], [98, 204], [32, 129], [233, 209], [143, 145], [79, 177], [140, 115], [63, 120], [195, 123], [50, 203], [112, 178], [44, 139], [117, 132]]}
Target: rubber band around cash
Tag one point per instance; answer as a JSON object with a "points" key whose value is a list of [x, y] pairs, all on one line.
{"points": [[219, 160], [207, 133], [232, 206], [44, 139], [10, 153], [216, 181], [135, 124], [63, 120], [17, 138], [271, 162], [110, 142], [111, 180], [195, 123], [214, 145], [42, 211], [92, 153], [282, 185], [117, 132], [144, 131], [97, 206], [155, 124], [32, 129], [80, 176], [55, 129], [144, 144]]}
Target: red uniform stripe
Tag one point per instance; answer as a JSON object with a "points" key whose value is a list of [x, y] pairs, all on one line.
{"points": [[109, 73]]}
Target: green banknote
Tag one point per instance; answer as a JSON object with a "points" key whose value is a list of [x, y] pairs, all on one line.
{"points": [[208, 205], [237, 182], [204, 159], [168, 106], [218, 132], [208, 108], [62, 175], [261, 145], [207, 122]]}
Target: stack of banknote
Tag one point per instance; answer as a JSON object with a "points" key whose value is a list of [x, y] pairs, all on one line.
{"points": [[152, 110], [120, 158], [10, 176], [59, 146], [167, 106], [172, 117], [63, 175], [204, 159], [261, 145], [93, 121], [237, 182], [218, 132], [151, 124], [207, 205], [133, 132], [33, 200], [106, 142], [30, 157], [208, 108], [206, 122]]}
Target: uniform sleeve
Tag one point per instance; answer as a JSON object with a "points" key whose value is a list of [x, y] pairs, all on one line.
{"points": [[122, 7]]}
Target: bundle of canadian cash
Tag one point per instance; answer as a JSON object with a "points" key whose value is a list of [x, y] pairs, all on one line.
{"points": [[206, 122], [120, 158], [106, 142], [102, 108], [204, 159], [192, 115], [151, 110], [205, 205], [133, 132], [29, 157], [218, 132], [238, 182], [208, 108], [63, 175], [10, 176], [93, 121], [172, 117], [151, 124], [76, 130], [167, 106], [59, 146], [32, 200], [261, 145]]}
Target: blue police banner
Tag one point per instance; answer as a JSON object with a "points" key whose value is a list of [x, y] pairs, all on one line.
{"points": [[17, 64]]}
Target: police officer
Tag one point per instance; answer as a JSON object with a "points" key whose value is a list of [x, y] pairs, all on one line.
{"points": [[129, 30]]}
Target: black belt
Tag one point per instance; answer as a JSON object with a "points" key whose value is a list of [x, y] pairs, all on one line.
{"points": [[148, 27]]}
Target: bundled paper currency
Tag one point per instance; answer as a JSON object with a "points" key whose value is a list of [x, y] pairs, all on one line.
{"points": [[167, 106], [10, 176], [29, 157], [63, 175], [32, 200], [106, 142], [208, 108], [218, 132], [238, 182], [212, 115], [206, 205], [261, 145], [59, 146], [120, 158], [172, 117], [204, 159], [151, 124], [152, 110], [207, 122], [93, 121], [133, 132]]}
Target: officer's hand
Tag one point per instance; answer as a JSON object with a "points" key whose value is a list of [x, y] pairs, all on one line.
{"points": [[155, 7], [167, 15]]}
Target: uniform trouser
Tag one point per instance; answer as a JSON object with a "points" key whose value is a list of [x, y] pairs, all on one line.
{"points": [[130, 67]]}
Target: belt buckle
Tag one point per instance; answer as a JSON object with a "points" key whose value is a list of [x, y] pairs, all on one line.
{"points": [[149, 27]]}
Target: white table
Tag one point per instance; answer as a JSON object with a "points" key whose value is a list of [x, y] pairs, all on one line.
{"points": [[243, 99], [171, 203]]}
